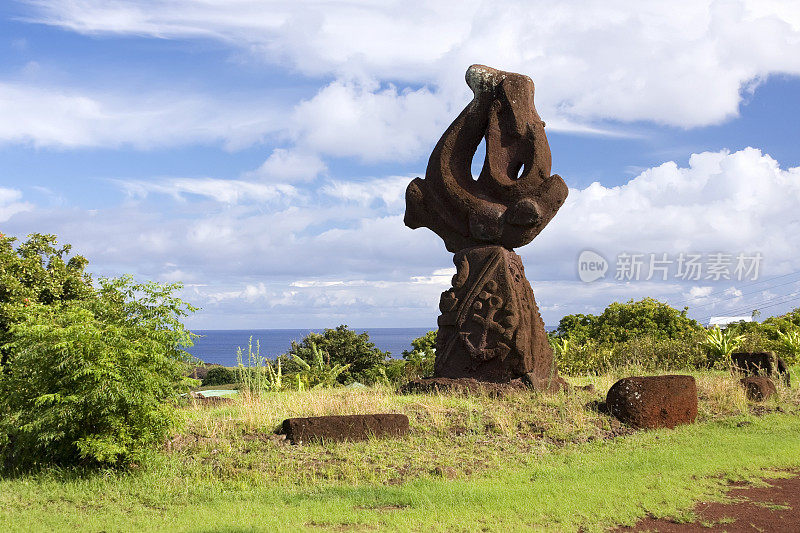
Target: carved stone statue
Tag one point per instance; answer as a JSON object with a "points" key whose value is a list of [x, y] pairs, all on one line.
{"points": [[490, 328]]}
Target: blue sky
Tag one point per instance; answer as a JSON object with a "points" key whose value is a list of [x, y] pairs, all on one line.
{"points": [[259, 151]]}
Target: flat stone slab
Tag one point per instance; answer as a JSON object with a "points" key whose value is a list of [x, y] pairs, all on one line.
{"points": [[654, 401], [758, 388], [345, 427]]}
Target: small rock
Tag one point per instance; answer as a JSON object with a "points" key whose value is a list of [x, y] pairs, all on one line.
{"points": [[758, 388], [654, 401]]}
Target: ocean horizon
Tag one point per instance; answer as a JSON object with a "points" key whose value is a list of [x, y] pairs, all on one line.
{"points": [[218, 346]]}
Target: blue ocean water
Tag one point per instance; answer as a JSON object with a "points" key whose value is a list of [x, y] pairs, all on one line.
{"points": [[219, 346]]}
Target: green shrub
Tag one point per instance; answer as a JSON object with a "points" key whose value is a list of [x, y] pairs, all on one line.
{"points": [[646, 353], [720, 344], [419, 361], [317, 371], [625, 322], [89, 376], [37, 272], [342, 346], [220, 375]]}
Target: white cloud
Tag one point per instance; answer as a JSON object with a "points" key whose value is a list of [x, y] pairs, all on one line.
{"points": [[681, 63], [289, 166], [10, 204], [225, 191], [361, 119], [729, 202], [391, 191], [76, 119]]}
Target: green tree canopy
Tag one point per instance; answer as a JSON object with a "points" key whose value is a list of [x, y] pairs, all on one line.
{"points": [[38, 271], [622, 322], [342, 346]]}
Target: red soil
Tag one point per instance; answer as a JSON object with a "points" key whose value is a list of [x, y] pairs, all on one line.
{"points": [[775, 508]]}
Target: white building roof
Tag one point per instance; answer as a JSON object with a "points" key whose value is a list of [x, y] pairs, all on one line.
{"points": [[725, 320]]}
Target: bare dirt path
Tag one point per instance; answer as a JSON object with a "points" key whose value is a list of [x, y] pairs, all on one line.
{"points": [[772, 508]]}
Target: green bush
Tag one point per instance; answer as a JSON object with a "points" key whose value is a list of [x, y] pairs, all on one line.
{"points": [[89, 378], [624, 322], [219, 375], [646, 353], [420, 359], [341, 346], [37, 271]]}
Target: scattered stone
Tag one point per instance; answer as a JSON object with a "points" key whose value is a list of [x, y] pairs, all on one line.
{"points": [[344, 427], [490, 328], [758, 388], [761, 364], [654, 401]]}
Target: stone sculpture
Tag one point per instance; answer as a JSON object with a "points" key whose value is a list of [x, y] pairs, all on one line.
{"points": [[490, 328]]}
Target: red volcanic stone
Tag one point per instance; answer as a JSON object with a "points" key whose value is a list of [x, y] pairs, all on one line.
{"points": [[654, 401], [758, 388], [761, 363], [344, 427]]}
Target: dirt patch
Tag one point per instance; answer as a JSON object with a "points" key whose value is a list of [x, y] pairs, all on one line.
{"points": [[774, 508]]}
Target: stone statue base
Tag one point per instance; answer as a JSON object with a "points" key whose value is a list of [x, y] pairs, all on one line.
{"points": [[490, 328]]}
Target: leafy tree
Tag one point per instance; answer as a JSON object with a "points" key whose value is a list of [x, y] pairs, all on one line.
{"points": [[37, 272], [88, 374], [623, 322], [420, 359], [219, 375], [343, 347]]}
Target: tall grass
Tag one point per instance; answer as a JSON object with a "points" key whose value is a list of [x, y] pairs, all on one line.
{"points": [[258, 376]]}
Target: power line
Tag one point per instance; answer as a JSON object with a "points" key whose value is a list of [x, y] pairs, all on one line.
{"points": [[688, 300], [732, 297], [762, 305]]}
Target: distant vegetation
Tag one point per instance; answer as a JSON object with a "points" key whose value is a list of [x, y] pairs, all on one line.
{"points": [[650, 335]]}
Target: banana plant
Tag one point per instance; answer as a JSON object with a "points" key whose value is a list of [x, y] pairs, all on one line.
{"points": [[721, 343], [316, 372], [790, 340]]}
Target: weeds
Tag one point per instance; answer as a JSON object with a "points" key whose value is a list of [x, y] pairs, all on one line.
{"points": [[258, 376]]}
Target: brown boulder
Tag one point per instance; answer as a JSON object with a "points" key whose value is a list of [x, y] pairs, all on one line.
{"points": [[758, 388], [761, 364], [344, 427], [654, 401]]}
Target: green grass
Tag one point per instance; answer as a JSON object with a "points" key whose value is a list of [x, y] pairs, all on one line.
{"points": [[525, 461]]}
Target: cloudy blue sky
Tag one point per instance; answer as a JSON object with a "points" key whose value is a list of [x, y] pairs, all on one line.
{"points": [[258, 151]]}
